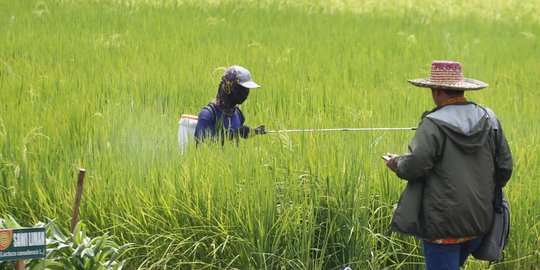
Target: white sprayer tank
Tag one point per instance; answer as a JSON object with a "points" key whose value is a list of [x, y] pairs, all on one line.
{"points": [[186, 131]]}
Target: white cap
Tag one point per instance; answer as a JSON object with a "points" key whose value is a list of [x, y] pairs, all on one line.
{"points": [[244, 77]]}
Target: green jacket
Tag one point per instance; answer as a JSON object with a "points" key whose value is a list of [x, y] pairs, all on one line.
{"points": [[455, 155]]}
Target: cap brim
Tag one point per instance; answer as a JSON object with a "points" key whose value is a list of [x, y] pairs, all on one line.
{"points": [[466, 84], [250, 85]]}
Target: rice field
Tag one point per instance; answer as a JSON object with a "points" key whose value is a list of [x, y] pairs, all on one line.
{"points": [[101, 85]]}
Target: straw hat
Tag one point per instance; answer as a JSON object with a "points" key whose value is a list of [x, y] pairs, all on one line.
{"points": [[448, 75]]}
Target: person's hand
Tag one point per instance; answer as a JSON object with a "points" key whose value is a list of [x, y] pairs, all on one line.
{"points": [[391, 162], [260, 130]]}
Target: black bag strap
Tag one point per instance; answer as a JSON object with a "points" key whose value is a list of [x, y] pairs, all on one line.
{"points": [[498, 203], [218, 122], [241, 115]]}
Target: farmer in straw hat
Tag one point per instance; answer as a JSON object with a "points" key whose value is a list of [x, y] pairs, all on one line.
{"points": [[222, 118], [456, 151]]}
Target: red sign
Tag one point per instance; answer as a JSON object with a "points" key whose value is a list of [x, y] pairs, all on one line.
{"points": [[5, 238]]}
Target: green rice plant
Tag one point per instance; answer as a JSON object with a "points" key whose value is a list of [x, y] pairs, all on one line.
{"points": [[100, 85], [79, 251]]}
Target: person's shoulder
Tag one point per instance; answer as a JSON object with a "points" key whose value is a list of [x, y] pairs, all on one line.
{"points": [[207, 113], [240, 114], [492, 117], [488, 111], [427, 122]]}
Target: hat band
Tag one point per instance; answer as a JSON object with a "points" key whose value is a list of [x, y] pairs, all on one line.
{"points": [[445, 76]]}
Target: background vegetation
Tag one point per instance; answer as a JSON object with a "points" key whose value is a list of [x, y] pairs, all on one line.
{"points": [[101, 85]]}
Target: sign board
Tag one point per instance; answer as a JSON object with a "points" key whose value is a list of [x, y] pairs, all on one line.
{"points": [[21, 244]]}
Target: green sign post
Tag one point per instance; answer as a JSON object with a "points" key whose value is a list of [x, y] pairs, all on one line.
{"points": [[21, 244]]}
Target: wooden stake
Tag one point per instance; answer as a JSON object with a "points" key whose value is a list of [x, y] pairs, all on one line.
{"points": [[19, 265], [78, 196]]}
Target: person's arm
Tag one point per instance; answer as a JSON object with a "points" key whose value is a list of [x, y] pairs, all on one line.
{"points": [[247, 132], [205, 126], [503, 159], [425, 147]]}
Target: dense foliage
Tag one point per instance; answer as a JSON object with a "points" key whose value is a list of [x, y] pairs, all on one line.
{"points": [[75, 251], [100, 85]]}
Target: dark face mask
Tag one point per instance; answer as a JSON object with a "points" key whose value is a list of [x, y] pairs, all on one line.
{"points": [[239, 94]]}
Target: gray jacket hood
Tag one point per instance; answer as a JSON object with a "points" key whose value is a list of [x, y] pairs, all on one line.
{"points": [[466, 124]]}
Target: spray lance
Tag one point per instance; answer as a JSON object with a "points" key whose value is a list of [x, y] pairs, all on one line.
{"points": [[262, 129]]}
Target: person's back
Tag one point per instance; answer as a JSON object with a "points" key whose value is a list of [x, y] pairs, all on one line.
{"points": [[456, 168]]}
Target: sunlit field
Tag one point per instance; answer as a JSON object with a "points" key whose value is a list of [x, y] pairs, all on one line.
{"points": [[101, 85]]}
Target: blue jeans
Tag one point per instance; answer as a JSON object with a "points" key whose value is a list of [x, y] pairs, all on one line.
{"points": [[448, 257]]}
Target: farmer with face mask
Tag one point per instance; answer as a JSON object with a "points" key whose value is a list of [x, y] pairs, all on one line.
{"points": [[458, 156], [221, 118]]}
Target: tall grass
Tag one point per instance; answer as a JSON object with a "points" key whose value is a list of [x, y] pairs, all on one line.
{"points": [[101, 85]]}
